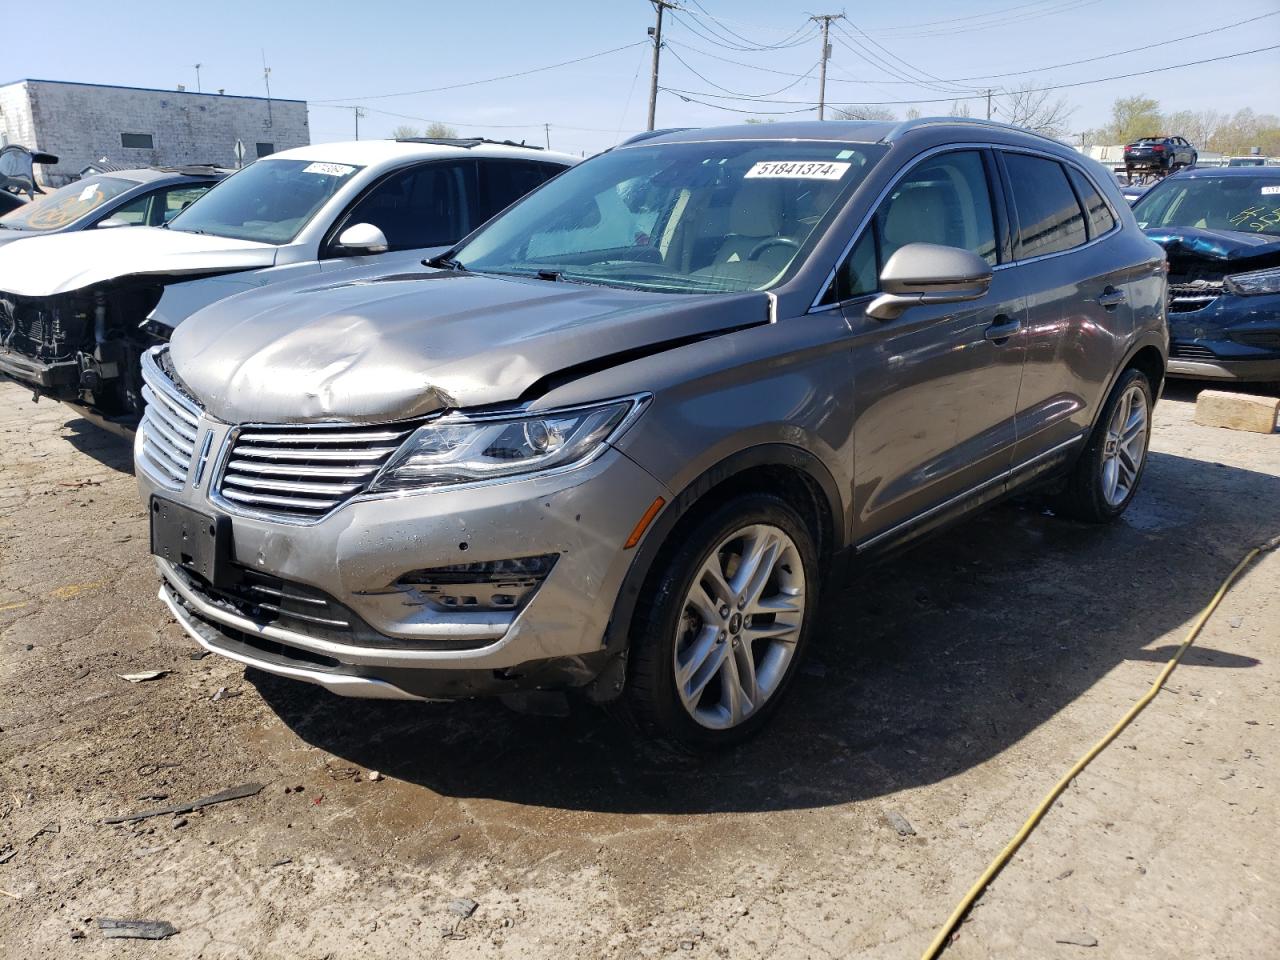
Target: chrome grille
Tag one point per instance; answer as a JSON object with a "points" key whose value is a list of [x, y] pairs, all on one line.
{"points": [[169, 427], [1189, 297], [304, 472]]}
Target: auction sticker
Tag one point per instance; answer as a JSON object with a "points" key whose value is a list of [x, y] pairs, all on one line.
{"points": [[798, 169], [1268, 191], [328, 169]]}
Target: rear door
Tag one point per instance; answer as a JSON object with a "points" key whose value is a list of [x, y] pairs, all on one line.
{"points": [[502, 182], [935, 390], [1078, 314]]}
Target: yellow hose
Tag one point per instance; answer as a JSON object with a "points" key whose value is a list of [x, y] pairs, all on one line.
{"points": [[940, 941]]}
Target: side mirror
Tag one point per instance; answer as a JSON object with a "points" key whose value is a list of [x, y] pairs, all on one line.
{"points": [[363, 238], [112, 222], [929, 273]]}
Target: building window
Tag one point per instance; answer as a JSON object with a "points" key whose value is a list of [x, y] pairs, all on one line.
{"points": [[265, 149], [137, 141]]}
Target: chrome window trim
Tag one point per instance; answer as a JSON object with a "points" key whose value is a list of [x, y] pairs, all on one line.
{"points": [[817, 307]]}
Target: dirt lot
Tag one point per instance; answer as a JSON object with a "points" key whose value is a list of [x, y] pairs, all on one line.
{"points": [[951, 687]]}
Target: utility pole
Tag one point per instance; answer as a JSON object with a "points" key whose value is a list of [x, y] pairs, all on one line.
{"points": [[988, 103], [656, 32], [826, 19], [546, 127], [266, 79], [358, 112], [198, 66]]}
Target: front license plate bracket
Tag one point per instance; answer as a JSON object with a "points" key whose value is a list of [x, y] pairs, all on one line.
{"points": [[198, 542]]}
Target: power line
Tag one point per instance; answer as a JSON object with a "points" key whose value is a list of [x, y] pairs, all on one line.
{"points": [[473, 83], [695, 25], [788, 41], [889, 53], [988, 76], [799, 79], [909, 31], [982, 95]]}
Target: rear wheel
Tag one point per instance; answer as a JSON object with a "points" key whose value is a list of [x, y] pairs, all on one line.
{"points": [[1105, 478], [717, 639]]}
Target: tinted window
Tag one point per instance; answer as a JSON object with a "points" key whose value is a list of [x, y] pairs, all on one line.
{"points": [[1049, 217], [503, 182], [859, 275], [425, 206], [943, 200], [135, 213], [1100, 218]]}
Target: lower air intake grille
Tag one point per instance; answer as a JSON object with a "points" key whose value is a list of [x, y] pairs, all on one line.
{"points": [[1191, 351], [304, 472]]}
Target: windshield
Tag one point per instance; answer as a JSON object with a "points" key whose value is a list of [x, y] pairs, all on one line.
{"points": [[681, 218], [66, 205], [1246, 204], [269, 201]]}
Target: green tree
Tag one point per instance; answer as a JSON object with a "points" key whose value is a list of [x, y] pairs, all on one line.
{"points": [[1134, 117]]}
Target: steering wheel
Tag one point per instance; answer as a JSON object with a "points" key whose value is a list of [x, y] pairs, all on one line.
{"points": [[764, 245]]}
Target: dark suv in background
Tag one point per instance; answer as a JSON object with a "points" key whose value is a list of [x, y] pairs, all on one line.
{"points": [[615, 440], [1158, 155]]}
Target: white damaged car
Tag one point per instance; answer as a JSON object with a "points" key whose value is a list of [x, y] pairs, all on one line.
{"points": [[77, 310]]}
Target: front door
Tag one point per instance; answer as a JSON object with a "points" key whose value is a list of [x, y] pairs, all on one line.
{"points": [[936, 389]]}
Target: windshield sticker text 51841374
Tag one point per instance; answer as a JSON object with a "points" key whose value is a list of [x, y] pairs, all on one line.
{"points": [[798, 169]]}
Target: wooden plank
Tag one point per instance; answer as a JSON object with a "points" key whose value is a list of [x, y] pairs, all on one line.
{"points": [[1237, 411]]}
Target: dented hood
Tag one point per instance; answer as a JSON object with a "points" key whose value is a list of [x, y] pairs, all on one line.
{"points": [[404, 345], [1214, 244], [64, 262]]}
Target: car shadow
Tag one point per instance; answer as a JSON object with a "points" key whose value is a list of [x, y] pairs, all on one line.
{"points": [[110, 449], [921, 668]]}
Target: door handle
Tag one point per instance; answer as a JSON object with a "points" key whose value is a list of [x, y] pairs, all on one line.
{"points": [[1112, 298], [1003, 328]]}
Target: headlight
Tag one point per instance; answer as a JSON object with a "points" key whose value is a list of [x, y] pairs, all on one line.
{"points": [[461, 449], [1254, 284]]}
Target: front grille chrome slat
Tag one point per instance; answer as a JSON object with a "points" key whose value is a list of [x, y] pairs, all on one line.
{"points": [[303, 473], [170, 425]]}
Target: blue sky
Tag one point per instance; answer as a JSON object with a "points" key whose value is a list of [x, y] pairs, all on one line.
{"points": [[358, 52]]}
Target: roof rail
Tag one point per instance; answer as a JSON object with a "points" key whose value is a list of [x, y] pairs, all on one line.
{"points": [[650, 134], [906, 126], [465, 143]]}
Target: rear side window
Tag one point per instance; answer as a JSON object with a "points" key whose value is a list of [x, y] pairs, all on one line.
{"points": [[503, 182], [1049, 216], [1100, 218]]}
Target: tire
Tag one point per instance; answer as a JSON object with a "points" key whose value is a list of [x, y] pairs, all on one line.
{"points": [[1105, 478], [676, 622]]}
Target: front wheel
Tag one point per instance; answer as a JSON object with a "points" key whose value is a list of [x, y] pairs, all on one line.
{"points": [[1105, 478], [716, 640]]}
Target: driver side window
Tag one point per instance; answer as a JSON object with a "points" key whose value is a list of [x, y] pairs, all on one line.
{"points": [[944, 199]]}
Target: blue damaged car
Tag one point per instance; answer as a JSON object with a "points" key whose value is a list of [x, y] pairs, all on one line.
{"points": [[1220, 229]]}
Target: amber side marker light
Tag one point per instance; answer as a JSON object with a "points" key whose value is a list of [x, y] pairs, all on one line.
{"points": [[654, 509]]}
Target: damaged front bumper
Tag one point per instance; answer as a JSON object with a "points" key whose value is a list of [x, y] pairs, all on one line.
{"points": [[48, 378], [349, 602]]}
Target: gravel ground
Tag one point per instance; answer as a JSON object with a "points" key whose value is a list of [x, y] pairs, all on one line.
{"points": [[948, 690]]}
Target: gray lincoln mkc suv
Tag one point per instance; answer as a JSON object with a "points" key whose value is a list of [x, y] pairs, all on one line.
{"points": [[615, 440]]}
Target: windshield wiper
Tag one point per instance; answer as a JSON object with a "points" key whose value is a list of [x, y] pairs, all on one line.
{"points": [[443, 262]]}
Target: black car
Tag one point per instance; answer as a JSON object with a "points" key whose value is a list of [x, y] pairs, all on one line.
{"points": [[1220, 229], [125, 198], [1158, 155]]}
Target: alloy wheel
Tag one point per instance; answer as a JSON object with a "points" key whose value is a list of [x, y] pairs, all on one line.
{"points": [[1125, 446], [739, 626]]}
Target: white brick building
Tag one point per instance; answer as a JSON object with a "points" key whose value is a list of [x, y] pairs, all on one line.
{"points": [[81, 123]]}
